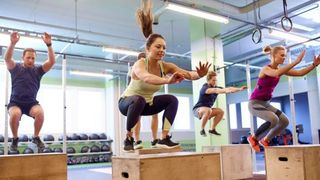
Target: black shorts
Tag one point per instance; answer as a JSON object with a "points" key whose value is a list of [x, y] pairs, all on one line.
{"points": [[24, 107]]}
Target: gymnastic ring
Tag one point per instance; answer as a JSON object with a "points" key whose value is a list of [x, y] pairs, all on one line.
{"points": [[283, 19], [256, 33]]}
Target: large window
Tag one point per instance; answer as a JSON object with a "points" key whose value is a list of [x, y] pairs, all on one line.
{"points": [[2, 96], [233, 116], [245, 115], [182, 120], [50, 98], [85, 111]]}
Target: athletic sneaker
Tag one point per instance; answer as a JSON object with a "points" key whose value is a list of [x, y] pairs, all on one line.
{"points": [[213, 131], [203, 133], [264, 143], [128, 144], [167, 143], [138, 145], [253, 143], [14, 144], [154, 143], [38, 142]]}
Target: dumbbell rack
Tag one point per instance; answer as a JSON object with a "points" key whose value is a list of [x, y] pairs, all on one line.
{"points": [[78, 157], [89, 157]]}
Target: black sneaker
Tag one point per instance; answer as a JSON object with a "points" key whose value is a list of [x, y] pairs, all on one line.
{"points": [[37, 141], [138, 145], [213, 131], [203, 133], [128, 144], [154, 142], [167, 143], [14, 144]]}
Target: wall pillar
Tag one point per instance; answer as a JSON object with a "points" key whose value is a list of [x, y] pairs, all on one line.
{"points": [[205, 48]]}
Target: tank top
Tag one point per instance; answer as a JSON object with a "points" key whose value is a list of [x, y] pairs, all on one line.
{"points": [[141, 88], [264, 88]]}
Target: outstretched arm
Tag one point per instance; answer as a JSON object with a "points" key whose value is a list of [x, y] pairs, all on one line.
{"points": [[282, 70], [225, 90], [141, 73], [202, 70], [14, 38], [236, 89], [306, 70], [48, 64]]}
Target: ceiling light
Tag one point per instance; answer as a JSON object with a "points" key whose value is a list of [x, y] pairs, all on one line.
{"points": [[196, 12], [24, 41], [242, 65], [91, 74], [312, 15], [121, 51], [301, 27], [287, 36], [5, 39]]}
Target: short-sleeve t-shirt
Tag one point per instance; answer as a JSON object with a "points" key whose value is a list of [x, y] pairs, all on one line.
{"points": [[206, 100], [25, 83]]}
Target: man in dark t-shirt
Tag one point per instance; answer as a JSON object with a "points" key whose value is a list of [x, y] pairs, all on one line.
{"points": [[203, 108], [25, 80]]}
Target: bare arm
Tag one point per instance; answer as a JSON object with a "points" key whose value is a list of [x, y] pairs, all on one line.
{"points": [[225, 90], [14, 38], [237, 89], [202, 70], [217, 91], [48, 64], [306, 70], [282, 70], [141, 73]]}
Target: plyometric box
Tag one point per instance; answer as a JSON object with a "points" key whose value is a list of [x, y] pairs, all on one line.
{"points": [[156, 151], [236, 160], [176, 165], [37, 166], [298, 162]]}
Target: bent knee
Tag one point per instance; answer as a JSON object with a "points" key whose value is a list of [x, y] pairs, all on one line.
{"points": [[204, 112], [36, 111], [220, 111], [15, 111], [273, 121], [284, 121], [173, 99], [217, 112]]}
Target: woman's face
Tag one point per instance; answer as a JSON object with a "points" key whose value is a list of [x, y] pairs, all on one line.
{"points": [[157, 50], [280, 56]]}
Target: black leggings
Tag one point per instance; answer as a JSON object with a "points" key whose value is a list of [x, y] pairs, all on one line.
{"points": [[135, 106]]}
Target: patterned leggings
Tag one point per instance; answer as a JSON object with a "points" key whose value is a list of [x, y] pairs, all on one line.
{"points": [[276, 121]]}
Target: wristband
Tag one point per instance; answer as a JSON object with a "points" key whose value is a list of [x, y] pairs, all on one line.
{"points": [[314, 65], [49, 45]]}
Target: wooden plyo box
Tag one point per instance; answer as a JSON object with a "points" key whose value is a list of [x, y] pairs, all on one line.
{"points": [[33, 166], [236, 160], [166, 166], [298, 162], [156, 150]]}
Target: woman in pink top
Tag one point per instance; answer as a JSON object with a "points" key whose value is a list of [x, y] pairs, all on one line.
{"points": [[259, 104]]}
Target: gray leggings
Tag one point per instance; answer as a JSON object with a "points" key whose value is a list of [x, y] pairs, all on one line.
{"points": [[277, 121]]}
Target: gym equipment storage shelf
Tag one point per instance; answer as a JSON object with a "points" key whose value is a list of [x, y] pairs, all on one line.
{"points": [[81, 149]]}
